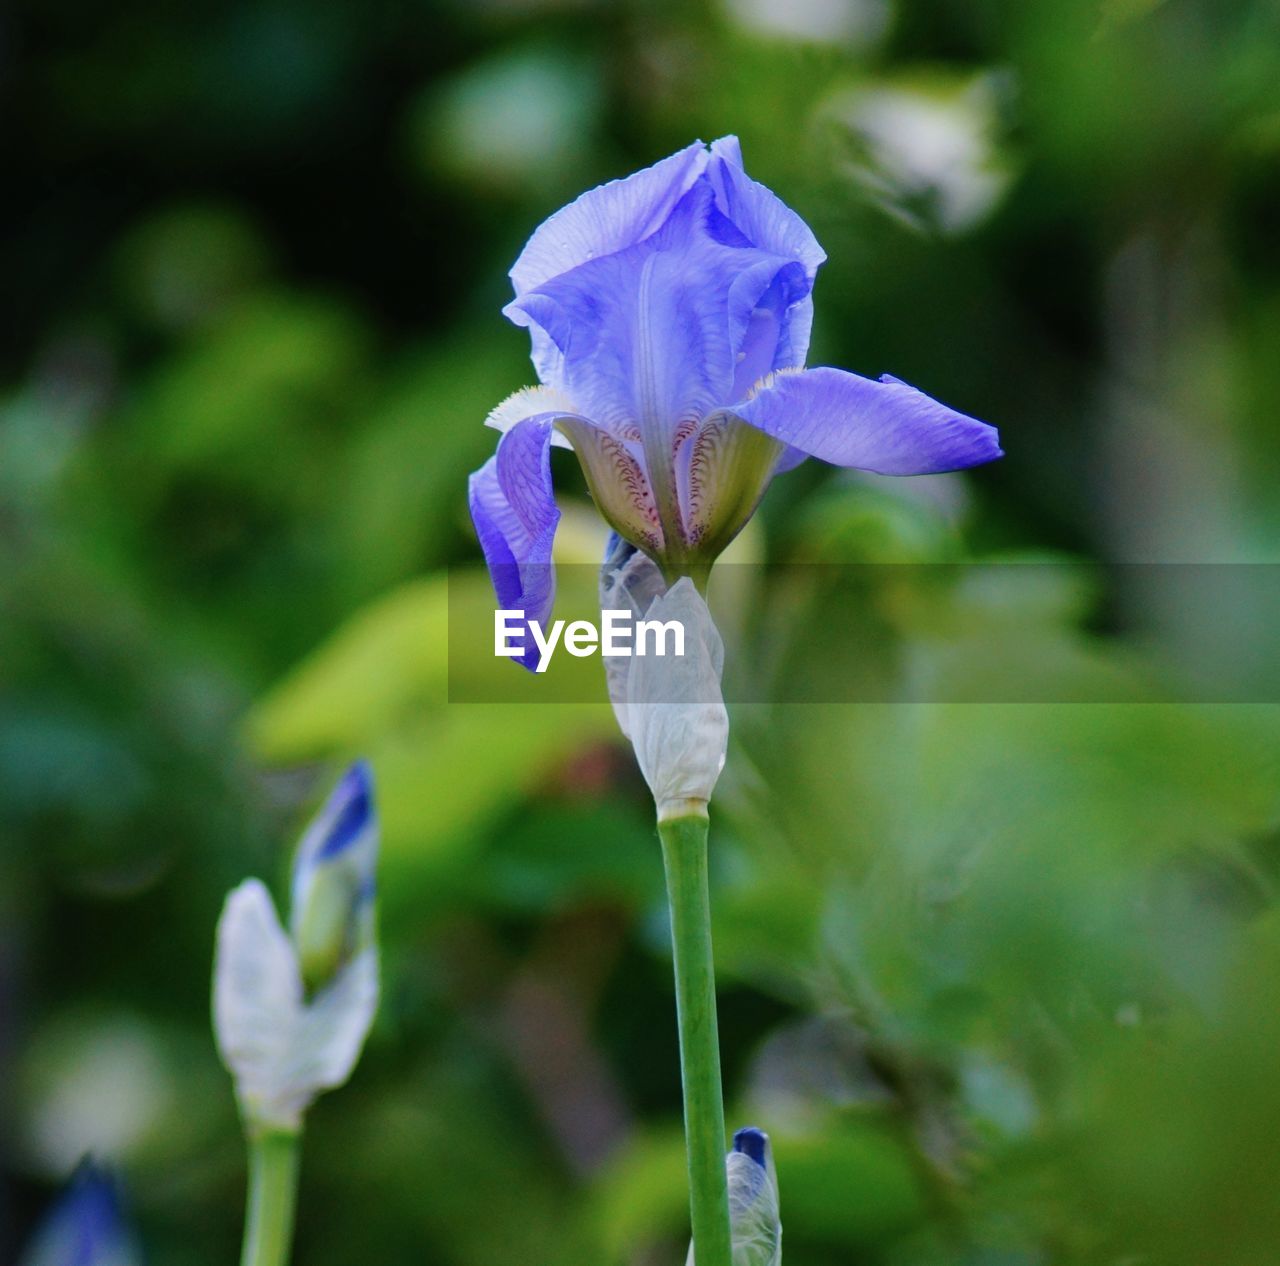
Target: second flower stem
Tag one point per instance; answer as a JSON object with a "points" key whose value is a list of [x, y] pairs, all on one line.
{"points": [[684, 855], [273, 1193]]}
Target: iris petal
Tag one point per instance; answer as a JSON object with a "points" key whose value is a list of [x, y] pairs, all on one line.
{"points": [[759, 213], [775, 330], [607, 219], [770, 225], [619, 483], [515, 515], [722, 470], [649, 336], [886, 426]]}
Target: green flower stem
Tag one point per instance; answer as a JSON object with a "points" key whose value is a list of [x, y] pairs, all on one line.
{"points": [[273, 1193], [684, 855]]}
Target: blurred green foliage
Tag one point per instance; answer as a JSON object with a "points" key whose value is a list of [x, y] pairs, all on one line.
{"points": [[1000, 980]]}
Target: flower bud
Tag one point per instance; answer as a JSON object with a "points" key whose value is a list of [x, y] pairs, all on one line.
{"points": [[291, 1015], [675, 712], [753, 1201], [629, 581], [85, 1227], [331, 916]]}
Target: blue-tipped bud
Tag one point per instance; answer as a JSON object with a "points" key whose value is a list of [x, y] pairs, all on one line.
{"points": [[753, 1201], [753, 1144], [334, 880], [291, 1013], [85, 1227]]}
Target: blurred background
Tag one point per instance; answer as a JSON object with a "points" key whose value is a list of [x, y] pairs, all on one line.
{"points": [[1001, 981]]}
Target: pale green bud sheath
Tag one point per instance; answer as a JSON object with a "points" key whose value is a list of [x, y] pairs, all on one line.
{"points": [[291, 1012]]}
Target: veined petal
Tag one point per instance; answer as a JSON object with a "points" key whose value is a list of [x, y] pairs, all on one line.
{"points": [[753, 1200], [886, 426], [515, 515], [619, 483], [790, 459], [722, 471], [607, 219]]}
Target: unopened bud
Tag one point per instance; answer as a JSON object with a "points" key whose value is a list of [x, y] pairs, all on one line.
{"points": [[287, 1031], [679, 725], [86, 1226], [333, 889], [753, 1201]]}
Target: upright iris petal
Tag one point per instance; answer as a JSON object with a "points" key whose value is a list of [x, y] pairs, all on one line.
{"points": [[669, 315]]}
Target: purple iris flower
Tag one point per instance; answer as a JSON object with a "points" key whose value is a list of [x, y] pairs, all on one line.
{"points": [[670, 315]]}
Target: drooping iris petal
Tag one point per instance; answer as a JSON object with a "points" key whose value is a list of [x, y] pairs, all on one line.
{"points": [[514, 511], [607, 219], [790, 459], [886, 426]]}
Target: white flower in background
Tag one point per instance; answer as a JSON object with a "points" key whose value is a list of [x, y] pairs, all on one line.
{"points": [[291, 1013], [753, 1201], [930, 148], [669, 706], [851, 23]]}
